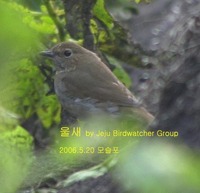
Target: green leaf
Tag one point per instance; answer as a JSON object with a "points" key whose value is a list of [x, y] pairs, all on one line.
{"points": [[49, 111], [15, 158], [137, 1], [102, 14], [120, 72], [123, 76]]}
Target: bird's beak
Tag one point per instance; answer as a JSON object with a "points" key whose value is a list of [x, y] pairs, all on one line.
{"points": [[47, 53]]}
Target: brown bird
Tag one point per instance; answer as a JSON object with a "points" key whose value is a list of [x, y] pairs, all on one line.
{"points": [[86, 86]]}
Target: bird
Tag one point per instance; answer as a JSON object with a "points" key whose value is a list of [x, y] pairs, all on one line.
{"points": [[85, 85]]}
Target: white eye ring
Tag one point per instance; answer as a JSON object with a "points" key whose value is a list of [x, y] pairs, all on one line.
{"points": [[67, 53]]}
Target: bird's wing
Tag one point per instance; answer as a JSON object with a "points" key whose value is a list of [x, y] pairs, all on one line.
{"points": [[98, 82]]}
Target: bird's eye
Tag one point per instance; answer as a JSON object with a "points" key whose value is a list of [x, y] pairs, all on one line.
{"points": [[67, 53]]}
